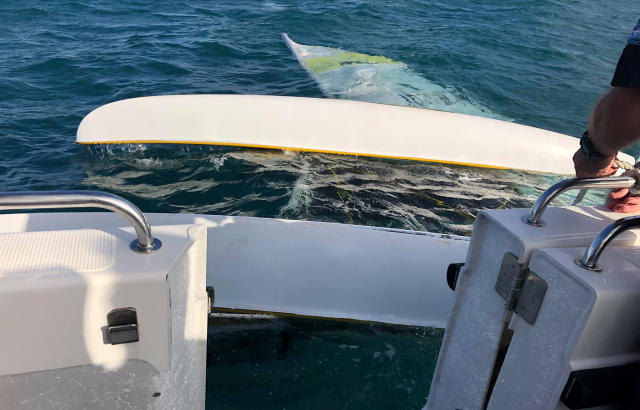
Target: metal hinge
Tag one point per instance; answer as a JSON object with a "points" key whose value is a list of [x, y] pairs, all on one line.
{"points": [[522, 290]]}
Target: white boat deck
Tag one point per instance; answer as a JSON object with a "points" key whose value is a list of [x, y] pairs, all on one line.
{"points": [[305, 268]]}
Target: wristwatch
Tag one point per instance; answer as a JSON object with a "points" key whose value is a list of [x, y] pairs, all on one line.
{"points": [[588, 149]]}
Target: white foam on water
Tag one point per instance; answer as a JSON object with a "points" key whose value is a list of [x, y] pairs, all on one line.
{"points": [[301, 195], [390, 82], [217, 161], [273, 6]]}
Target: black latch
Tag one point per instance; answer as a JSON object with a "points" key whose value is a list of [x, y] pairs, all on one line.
{"points": [[453, 271], [122, 326]]}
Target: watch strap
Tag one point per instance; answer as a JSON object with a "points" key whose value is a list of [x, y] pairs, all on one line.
{"points": [[588, 149]]}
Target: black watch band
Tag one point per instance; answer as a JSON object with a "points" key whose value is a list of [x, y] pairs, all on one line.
{"points": [[588, 149]]}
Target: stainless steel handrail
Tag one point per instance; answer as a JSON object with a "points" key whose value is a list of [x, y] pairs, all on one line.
{"points": [[86, 199], [590, 258], [535, 215]]}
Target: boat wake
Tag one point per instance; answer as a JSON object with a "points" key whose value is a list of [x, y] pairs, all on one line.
{"points": [[411, 195], [378, 79]]}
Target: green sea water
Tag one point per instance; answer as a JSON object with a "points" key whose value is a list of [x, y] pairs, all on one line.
{"points": [[272, 362]]}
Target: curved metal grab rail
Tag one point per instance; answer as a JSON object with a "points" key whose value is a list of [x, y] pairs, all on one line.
{"points": [[535, 215], [590, 258], [86, 199]]}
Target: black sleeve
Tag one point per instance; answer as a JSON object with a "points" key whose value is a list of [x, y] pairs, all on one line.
{"points": [[628, 70]]}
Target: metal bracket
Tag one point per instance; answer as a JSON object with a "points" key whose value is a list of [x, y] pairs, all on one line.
{"points": [[522, 290]]}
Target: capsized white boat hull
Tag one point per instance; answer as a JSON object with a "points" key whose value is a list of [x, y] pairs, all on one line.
{"points": [[330, 126]]}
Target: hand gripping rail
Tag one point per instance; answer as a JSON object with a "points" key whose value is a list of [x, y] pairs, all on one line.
{"points": [[535, 215], [145, 243], [589, 260]]}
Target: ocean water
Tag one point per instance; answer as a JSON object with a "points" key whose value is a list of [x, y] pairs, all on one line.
{"points": [[269, 362], [540, 63]]}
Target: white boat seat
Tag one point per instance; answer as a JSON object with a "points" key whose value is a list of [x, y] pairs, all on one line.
{"points": [[80, 305]]}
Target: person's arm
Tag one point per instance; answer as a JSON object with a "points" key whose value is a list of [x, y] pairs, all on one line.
{"points": [[614, 124]]}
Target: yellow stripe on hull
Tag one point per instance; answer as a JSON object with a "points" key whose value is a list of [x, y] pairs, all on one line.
{"points": [[236, 144]]}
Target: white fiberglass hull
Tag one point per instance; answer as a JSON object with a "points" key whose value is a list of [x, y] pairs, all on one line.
{"points": [[330, 126]]}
